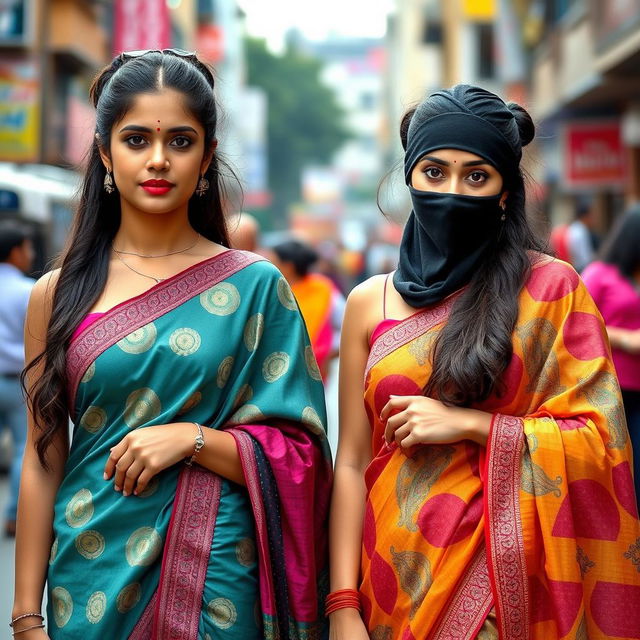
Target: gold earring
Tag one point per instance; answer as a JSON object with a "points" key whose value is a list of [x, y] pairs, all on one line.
{"points": [[108, 183], [203, 186]]}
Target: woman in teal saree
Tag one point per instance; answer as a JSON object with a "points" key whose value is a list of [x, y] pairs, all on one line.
{"points": [[159, 359], [198, 400]]}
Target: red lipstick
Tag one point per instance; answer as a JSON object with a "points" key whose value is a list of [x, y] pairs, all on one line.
{"points": [[157, 187]]}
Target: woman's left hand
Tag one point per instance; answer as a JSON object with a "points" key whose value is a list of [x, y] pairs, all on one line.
{"points": [[413, 420], [145, 452]]}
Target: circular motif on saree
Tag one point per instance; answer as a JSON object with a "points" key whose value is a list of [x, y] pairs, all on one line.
{"points": [[54, 551], [224, 371], [312, 363], [140, 340], [151, 487], [551, 281], [142, 406], [275, 366], [253, 331], [222, 612], [90, 544], [243, 396], [446, 519], [246, 414], [93, 419], [583, 336], [221, 300], [311, 418], [128, 597], [285, 295], [96, 606], [193, 401], [184, 341], [62, 606], [246, 552], [143, 547], [79, 509], [89, 373]]}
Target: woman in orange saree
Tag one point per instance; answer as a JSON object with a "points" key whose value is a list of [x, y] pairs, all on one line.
{"points": [[320, 302], [493, 501]]}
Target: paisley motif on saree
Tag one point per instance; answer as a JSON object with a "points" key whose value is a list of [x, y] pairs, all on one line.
{"points": [[191, 555], [541, 525]]}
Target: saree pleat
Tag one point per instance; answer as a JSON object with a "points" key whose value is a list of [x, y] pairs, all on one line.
{"points": [[222, 344], [535, 536]]}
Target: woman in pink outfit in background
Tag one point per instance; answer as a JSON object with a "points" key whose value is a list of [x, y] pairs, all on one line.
{"points": [[614, 283]]}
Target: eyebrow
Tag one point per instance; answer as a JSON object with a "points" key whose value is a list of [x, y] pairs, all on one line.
{"points": [[444, 163], [137, 127]]}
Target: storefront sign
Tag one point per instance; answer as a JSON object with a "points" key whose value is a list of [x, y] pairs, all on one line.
{"points": [[141, 24], [19, 111], [593, 154]]}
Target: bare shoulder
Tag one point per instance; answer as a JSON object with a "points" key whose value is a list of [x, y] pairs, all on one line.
{"points": [[364, 307], [368, 292], [39, 310], [44, 288]]}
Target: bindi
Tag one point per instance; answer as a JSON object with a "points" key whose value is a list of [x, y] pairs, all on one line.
{"points": [[158, 128]]}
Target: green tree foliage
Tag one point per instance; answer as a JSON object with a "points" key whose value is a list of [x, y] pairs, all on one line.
{"points": [[305, 124]]}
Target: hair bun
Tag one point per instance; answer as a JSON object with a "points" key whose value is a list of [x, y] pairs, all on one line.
{"points": [[526, 128]]}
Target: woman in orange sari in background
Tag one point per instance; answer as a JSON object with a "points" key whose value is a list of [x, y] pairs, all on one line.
{"points": [[320, 302], [485, 488]]}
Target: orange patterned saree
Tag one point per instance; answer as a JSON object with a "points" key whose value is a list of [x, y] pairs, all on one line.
{"points": [[535, 537]]}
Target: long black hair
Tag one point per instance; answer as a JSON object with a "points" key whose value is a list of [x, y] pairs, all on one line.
{"points": [[622, 246], [474, 348], [85, 261]]}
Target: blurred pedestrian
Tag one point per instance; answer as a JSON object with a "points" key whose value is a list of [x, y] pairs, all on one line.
{"points": [[193, 495], [483, 488], [614, 283], [16, 256], [576, 242], [244, 232], [321, 303]]}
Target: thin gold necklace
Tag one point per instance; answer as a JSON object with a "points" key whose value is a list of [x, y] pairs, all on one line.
{"points": [[157, 255], [145, 275]]}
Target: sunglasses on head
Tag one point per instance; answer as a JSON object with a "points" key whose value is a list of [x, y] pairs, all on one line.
{"points": [[181, 53]]}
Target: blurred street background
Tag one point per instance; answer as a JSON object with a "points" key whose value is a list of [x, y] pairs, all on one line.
{"points": [[311, 96]]}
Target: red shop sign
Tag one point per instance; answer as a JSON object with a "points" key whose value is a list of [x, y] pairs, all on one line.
{"points": [[593, 154]]}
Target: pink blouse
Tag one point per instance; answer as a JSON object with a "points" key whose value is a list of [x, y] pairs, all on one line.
{"points": [[619, 303], [90, 318]]}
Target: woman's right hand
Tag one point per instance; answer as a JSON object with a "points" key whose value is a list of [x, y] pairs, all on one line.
{"points": [[346, 624]]}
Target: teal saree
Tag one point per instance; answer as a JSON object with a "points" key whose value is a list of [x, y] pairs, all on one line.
{"points": [[196, 555]]}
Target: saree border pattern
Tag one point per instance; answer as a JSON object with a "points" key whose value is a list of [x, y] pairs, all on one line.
{"points": [[406, 330], [122, 319], [174, 610], [470, 605], [508, 570]]}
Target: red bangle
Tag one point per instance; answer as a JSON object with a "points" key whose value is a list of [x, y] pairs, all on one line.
{"points": [[342, 599]]}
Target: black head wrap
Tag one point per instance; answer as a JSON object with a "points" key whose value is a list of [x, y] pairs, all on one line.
{"points": [[448, 235], [467, 118]]}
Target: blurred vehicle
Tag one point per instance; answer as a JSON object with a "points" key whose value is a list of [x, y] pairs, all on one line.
{"points": [[43, 197]]}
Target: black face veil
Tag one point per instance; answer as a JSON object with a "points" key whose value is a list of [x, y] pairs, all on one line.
{"points": [[447, 235]]}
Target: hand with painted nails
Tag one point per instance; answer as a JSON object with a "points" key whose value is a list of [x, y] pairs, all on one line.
{"points": [[414, 420]]}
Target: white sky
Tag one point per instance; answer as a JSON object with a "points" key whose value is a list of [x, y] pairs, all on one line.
{"points": [[271, 19]]}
